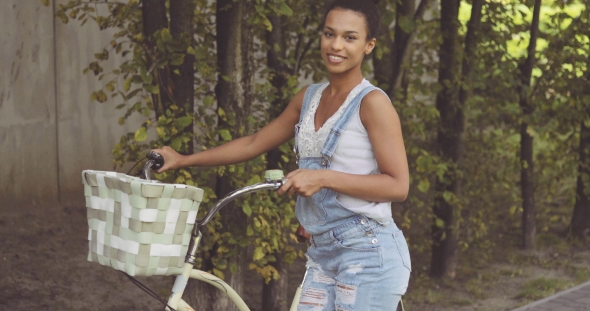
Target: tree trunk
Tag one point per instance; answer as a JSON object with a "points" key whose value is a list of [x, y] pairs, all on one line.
{"points": [[182, 13], [274, 293], [234, 96], [470, 47], [389, 70], [154, 19], [403, 39], [382, 68], [580, 223], [450, 144], [278, 81], [451, 103], [529, 229]]}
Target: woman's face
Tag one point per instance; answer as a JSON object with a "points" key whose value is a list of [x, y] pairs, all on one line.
{"points": [[344, 41]]}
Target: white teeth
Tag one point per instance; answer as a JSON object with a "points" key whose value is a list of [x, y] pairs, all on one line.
{"points": [[336, 58]]}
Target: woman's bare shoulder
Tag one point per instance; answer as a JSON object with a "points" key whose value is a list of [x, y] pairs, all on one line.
{"points": [[376, 105]]}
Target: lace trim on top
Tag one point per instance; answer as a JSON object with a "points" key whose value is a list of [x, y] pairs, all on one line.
{"points": [[311, 142]]}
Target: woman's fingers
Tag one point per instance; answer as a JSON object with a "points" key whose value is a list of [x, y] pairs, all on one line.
{"points": [[284, 188], [300, 182], [170, 158], [292, 173]]}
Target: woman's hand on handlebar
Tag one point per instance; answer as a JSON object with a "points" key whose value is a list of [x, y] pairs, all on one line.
{"points": [[303, 182], [172, 159]]}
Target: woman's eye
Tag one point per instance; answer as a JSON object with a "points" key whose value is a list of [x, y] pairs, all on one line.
{"points": [[328, 34], [350, 38]]}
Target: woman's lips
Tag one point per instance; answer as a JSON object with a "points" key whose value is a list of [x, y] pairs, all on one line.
{"points": [[336, 58]]}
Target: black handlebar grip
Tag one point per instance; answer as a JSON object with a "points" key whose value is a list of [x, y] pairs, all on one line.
{"points": [[157, 158]]}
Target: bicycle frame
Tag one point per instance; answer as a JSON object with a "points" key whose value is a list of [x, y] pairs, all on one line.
{"points": [[175, 300]]}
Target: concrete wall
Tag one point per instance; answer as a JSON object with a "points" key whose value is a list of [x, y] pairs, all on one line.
{"points": [[28, 144], [49, 129]]}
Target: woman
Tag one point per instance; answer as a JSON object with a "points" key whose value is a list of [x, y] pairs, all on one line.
{"points": [[352, 163]]}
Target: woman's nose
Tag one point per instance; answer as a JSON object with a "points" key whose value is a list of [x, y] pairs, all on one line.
{"points": [[337, 44]]}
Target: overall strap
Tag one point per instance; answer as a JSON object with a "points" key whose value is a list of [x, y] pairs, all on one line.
{"points": [[342, 122], [309, 93]]}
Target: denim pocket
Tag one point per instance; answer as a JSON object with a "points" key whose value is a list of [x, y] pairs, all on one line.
{"points": [[310, 211], [360, 242], [402, 247]]}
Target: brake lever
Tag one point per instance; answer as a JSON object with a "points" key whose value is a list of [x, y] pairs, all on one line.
{"points": [[155, 162]]}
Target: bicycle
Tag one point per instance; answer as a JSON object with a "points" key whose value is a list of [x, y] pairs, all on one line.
{"points": [[274, 179], [102, 190]]}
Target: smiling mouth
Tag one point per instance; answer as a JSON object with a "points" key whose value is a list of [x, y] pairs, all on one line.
{"points": [[336, 58]]}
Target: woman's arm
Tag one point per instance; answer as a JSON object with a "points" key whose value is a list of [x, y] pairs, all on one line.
{"points": [[241, 149], [384, 130]]}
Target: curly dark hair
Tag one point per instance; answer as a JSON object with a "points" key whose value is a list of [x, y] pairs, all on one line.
{"points": [[367, 8]]}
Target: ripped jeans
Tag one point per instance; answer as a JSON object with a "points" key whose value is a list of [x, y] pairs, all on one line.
{"points": [[359, 265]]}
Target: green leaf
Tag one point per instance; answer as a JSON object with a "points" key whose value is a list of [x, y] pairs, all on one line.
{"points": [[439, 223], [285, 9], [208, 101], [448, 196], [190, 50], [388, 17], [258, 253], [218, 273], [127, 85], [141, 134], [177, 59], [161, 132], [407, 24], [247, 209], [201, 53], [176, 143], [45, 2], [154, 89], [101, 97], [221, 112], [424, 185], [254, 179], [267, 24], [513, 209], [166, 36], [161, 45], [225, 134], [184, 122]]}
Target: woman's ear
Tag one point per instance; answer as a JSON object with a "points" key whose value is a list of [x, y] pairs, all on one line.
{"points": [[370, 46]]}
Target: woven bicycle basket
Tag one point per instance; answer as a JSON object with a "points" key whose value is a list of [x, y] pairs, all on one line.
{"points": [[138, 226]]}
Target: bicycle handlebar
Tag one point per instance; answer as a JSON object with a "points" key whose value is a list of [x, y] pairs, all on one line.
{"points": [[267, 185], [155, 162], [273, 182]]}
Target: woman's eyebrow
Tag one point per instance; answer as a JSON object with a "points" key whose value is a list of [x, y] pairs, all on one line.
{"points": [[346, 32]]}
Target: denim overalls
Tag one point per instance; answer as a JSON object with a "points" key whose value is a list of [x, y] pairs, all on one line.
{"points": [[354, 262]]}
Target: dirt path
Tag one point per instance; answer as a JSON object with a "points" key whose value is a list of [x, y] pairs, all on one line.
{"points": [[43, 266], [43, 253]]}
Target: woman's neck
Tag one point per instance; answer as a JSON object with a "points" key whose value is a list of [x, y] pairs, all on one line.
{"points": [[344, 82]]}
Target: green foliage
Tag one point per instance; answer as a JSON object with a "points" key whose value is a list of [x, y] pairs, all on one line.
{"points": [[489, 204], [139, 83], [490, 198]]}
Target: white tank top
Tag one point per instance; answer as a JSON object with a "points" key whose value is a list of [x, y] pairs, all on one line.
{"points": [[353, 154]]}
